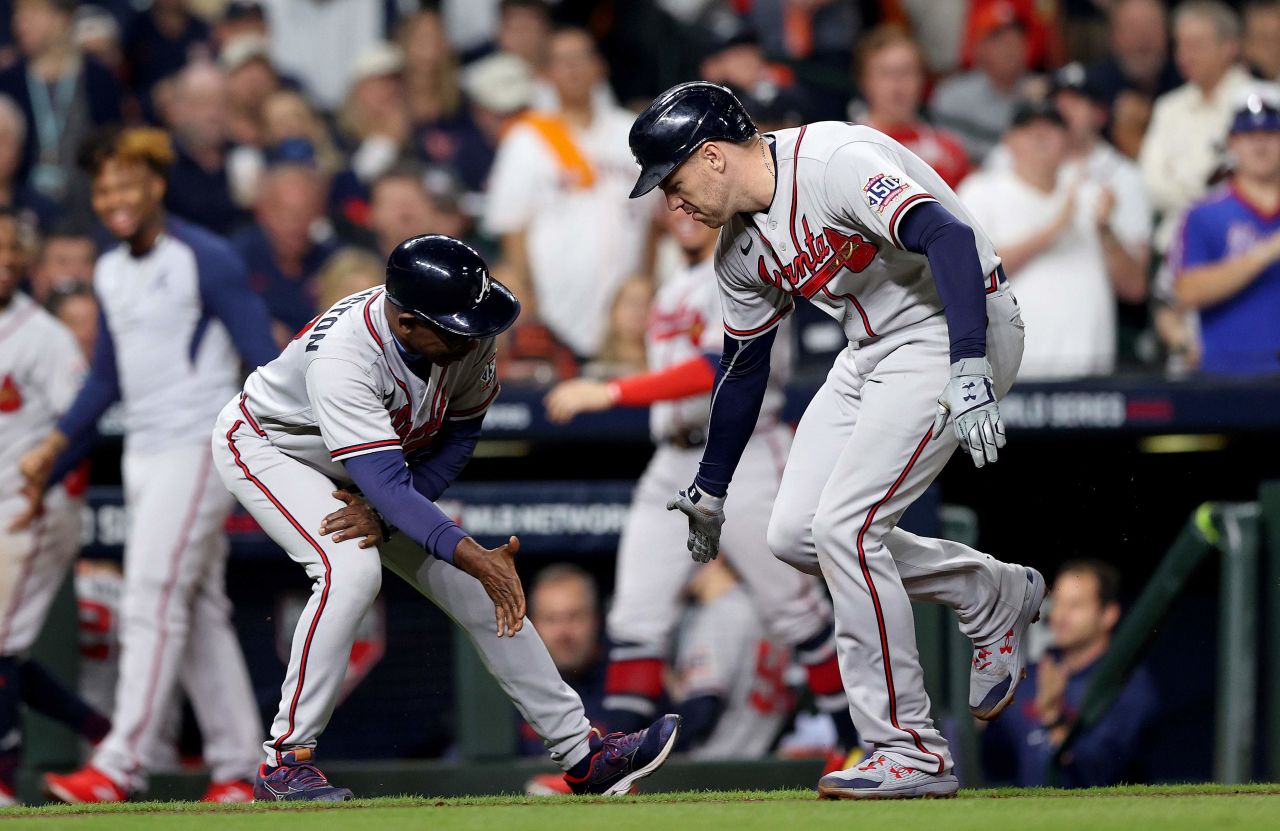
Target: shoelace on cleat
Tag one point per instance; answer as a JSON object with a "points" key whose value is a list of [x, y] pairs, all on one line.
{"points": [[305, 776]]}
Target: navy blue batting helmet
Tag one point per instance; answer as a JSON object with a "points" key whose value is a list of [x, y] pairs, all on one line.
{"points": [[678, 122], [446, 283]]}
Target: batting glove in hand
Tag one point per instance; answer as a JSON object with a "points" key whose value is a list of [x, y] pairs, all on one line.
{"points": [[706, 515], [970, 400]]}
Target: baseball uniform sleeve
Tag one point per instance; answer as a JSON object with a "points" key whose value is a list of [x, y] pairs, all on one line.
{"points": [[348, 409], [477, 384], [866, 184], [101, 388], [750, 304], [226, 295], [62, 367]]}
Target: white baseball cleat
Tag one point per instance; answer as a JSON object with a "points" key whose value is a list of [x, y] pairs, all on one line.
{"points": [[999, 667], [885, 777]]}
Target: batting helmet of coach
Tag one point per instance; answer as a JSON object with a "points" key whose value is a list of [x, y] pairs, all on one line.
{"points": [[446, 283]]}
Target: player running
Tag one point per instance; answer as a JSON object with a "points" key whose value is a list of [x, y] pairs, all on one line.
{"points": [[849, 219], [177, 317], [683, 344], [388, 389]]}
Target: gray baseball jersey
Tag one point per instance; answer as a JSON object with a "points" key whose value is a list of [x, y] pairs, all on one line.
{"points": [[341, 389], [831, 236]]}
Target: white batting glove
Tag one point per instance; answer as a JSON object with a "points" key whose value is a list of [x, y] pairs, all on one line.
{"points": [[706, 515], [970, 400]]}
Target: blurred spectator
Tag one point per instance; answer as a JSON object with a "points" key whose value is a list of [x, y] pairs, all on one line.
{"points": [[1262, 38], [66, 257], [77, 307], [162, 40], [1181, 147], [251, 80], [402, 205], [890, 75], [1053, 233], [313, 40], [524, 30], [738, 61], [63, 95], [1227, 258], [32, 208], [1083, 613], [96, 33], [199, 185], [374, 117], [285, 248], [558, 201], [623, 349], [729, 680], [499, 88], [1041, 22], [1089, 156], [443, 132], [815, 32], [1137, 71], [239, 17], [564, 607], [348, 271], [287, 115], [977, 104]]}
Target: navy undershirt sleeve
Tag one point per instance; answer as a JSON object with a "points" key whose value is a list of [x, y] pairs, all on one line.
{"points": [[101, 389], [384, 480], [225, 292], [449, 454], [741, 380], [952, 249]]}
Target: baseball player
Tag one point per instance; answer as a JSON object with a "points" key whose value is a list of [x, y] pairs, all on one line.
{"points": [[849, 219], [683, 343], [41, 367], [177, 318], [387, 390]]}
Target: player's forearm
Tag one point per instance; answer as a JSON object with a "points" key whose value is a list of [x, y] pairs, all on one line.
{"points": [[695, 376], [952, 249], [1127, 269], [735, 409], [99, 392], [384, 480], [1207, 285]]}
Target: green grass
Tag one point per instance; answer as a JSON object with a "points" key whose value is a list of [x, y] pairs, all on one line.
{"points": [[1167, 808]]}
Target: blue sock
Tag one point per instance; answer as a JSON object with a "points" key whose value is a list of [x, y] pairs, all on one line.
{"points": [[45, 693], [10, 725]]}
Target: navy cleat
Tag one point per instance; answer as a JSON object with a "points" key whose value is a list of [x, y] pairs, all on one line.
{"points": [[296, 778], [619, 760]]}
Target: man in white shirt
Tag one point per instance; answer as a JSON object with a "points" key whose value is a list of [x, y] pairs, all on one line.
{"points": [[1182, 146], [1046, 227], [558, 200]]}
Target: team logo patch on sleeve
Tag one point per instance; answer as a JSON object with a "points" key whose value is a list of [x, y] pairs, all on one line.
{"points": [[489, 375], [882, 190]]}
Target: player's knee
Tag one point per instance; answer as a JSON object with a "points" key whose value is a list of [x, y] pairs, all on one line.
{"points": [[359, 579], [828, 534], [785, 538]]}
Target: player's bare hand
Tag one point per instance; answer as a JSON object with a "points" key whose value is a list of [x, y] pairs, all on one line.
{"points": [[969, 399], [578, 395], [357, 520], [35, 505], [706, 516], [495, 568]]}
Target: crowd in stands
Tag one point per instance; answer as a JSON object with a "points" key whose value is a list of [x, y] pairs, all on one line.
{"points": [[1123, 155]]}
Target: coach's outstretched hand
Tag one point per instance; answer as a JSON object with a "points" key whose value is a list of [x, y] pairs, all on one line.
{"points": [[970, 400], [706, 516], [358, 520], [496, 570]]}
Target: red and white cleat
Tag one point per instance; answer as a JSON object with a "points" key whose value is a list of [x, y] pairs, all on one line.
{"points": [[87, 785], [237, 790]]}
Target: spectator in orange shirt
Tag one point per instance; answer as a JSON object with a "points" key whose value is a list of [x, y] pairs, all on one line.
{"points": [[890, 74]]}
